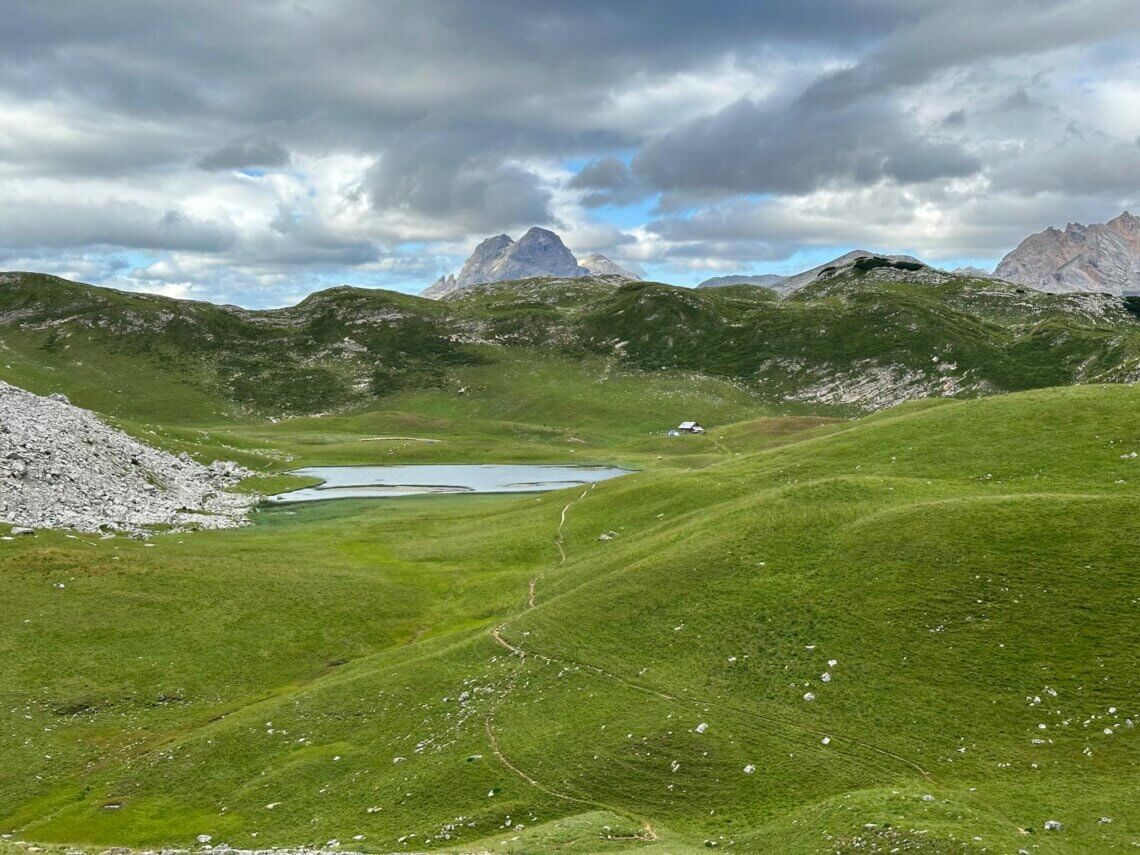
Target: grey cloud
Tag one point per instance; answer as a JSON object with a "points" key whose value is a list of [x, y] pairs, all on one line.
{"points": [[608, 181], [469, 108], [26, 224], [1082, 163], [437, 178], [749, 148], [954, 119], [246, 154]]}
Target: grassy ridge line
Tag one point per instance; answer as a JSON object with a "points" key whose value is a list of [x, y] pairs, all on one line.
{"points": [[859, 340]]}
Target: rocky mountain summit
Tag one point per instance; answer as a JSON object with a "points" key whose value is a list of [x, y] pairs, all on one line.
{"points": [[596, 264], [63, 467], [540, 252], [856, 259], [1102, 257]]}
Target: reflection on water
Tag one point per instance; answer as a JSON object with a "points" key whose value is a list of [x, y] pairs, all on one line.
{"points": [[358, 482]]}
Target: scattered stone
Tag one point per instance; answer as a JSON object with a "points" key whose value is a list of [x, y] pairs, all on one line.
{"points": [[702, 727], [809, 696], [749, 769], [1053, 825]]}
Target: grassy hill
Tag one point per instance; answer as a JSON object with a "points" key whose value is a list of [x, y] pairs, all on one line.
{"points": [[432, 674], [858, 341]]}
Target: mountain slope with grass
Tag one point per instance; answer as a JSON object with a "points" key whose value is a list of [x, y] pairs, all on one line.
{"points": [[862, 337], [910, 630]]}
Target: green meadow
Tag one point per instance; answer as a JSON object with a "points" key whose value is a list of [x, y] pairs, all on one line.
{"points": [[483, 673]]}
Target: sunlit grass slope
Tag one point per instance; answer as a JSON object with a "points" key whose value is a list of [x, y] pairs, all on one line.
{"points": [[432, 674]]}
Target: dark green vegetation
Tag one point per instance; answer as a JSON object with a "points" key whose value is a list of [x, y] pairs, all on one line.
{"points": [[407, 675], [859, 340]]}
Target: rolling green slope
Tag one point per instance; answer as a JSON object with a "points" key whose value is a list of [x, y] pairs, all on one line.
{"points": [[432, 674], [858, 341]]}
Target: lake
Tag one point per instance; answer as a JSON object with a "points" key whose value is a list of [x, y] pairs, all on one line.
{"points": [[383, 482]]}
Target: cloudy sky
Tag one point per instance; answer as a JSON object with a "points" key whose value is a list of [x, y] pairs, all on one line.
{"points": [[254, 152]]}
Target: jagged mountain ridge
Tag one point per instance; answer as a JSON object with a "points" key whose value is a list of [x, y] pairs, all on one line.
{"points": [[1102, 257], [539, 252]]}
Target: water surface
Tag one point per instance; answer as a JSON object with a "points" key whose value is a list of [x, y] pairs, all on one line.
{"points": [[365, 482]]}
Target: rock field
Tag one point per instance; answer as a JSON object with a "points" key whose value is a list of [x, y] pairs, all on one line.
{"points": [[63, 467]]}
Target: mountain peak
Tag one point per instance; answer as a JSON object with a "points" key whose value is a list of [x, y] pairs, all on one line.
{"points": [[1100, 257], [597, 264], [539, 233], [538, 253]]}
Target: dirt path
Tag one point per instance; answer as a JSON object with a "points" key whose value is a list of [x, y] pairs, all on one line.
{"points": [[647, 834], [562, 522]]}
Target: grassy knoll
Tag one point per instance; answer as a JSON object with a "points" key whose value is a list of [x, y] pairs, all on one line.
{"points": [[432, 674]]}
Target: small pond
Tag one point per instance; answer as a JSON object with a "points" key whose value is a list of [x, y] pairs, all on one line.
{"points": [[366, 482]]}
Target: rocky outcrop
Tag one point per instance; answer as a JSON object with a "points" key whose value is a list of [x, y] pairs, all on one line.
{"points": [[764, 280], [63, 467], [540, 252], [972, 273], [844, 264], [597, 264], [1099, 257]]}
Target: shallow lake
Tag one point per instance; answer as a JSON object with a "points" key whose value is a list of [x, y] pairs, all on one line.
{"points": [[364, 482]]}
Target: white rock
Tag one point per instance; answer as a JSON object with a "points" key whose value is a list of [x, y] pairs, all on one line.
{"points": [[63, 467], [1053, 825]]}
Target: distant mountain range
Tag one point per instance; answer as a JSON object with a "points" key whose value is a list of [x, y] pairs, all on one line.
{"points": [[1101, 258], [538, 253]]}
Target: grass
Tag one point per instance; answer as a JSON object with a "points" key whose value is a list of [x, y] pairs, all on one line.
{"points": [[970, 566], [348, 351]]}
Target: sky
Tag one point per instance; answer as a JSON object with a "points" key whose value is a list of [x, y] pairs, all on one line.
{"points": [[255, 152]]}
